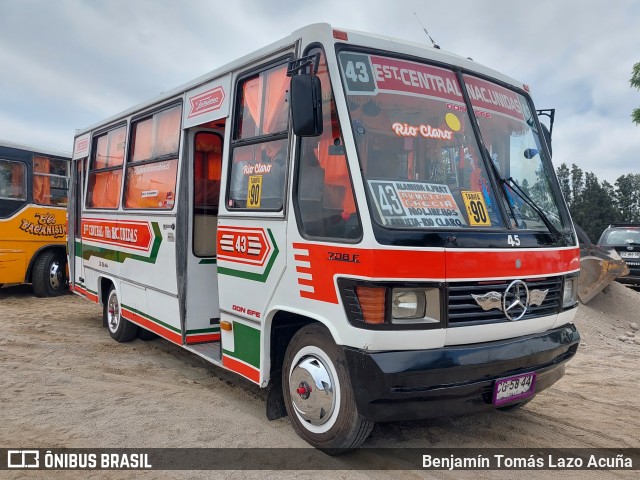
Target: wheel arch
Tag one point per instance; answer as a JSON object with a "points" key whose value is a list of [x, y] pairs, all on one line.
{"points": [[104, 284], [61, 249], [280, 327]]}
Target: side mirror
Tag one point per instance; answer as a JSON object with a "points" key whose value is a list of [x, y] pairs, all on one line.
{"points": [[306, 105]]}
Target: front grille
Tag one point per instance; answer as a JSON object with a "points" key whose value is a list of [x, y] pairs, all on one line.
{"points": [[463, 309]]}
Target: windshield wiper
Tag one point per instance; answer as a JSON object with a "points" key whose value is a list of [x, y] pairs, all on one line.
{"points": [[555, 233], [543, 216]]}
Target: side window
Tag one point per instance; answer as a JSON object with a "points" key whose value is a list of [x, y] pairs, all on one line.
{"points": [[50, 181], [324, 193], [260, 142], [105, 169], [13, 180], [206, 177], [150, 181]]}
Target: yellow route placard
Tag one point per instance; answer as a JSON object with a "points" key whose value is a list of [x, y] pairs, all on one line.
{"points": [[476, 209], [254, 191]]}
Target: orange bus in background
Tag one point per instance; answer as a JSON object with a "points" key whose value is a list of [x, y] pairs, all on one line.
{"points": [[33, 201]]}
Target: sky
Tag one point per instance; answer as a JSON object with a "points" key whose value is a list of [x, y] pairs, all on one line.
{"points": [[68, 64]]}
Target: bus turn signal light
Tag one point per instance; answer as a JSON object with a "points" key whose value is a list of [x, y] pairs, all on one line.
{"points": [[372, 301]]}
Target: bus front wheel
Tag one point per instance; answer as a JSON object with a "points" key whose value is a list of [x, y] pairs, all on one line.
{"points": [[318, 395], [120, 329], [48, 277]]}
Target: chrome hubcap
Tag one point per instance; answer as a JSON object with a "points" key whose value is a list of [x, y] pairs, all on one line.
{"points": [[311, 387], [113, 312], [55, 275]]}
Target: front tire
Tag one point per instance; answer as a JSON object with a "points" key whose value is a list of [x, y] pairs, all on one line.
{"points": [[120, 329], [48, 276], [318, 395]]}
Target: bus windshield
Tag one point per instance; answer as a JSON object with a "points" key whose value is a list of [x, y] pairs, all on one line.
{"points": [[421, 161], [513, 143]]}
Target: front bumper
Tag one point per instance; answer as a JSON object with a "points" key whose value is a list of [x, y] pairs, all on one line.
{"points": [[411, 385], [633, 279]]}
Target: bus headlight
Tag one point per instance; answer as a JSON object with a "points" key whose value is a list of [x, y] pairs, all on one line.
{"points": [[570, 292], [415, 305]]}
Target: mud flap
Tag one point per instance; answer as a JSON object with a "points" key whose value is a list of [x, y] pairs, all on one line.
{"points": [[275, 399]]}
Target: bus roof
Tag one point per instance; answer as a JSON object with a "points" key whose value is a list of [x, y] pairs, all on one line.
{"points": [[28, 148], [324, 33]]}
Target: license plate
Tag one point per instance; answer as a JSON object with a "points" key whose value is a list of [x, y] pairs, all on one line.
{"points": [[630, 254], [510, 389]]}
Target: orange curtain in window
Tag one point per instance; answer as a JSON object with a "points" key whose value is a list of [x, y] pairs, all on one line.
{"points": [[207, 169], [336, 173], [106, 189], [276, 112], [151, 185], [17, 178], [273, 84], [116, 147], [142, 134], [207, 178], [41, 183], [167, 132], [252, 97]]}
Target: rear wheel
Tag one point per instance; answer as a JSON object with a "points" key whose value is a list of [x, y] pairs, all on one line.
{"points": [[318, 395], [48, 276], [120, 329]]}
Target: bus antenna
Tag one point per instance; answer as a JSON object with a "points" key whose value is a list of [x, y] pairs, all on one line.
{"points": [[435, 45]]}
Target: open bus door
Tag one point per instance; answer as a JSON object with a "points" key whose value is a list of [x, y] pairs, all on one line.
{"points": [[74, 240], [202, 316]]}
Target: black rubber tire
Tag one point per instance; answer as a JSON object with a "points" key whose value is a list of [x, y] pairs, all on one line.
{"points": [[120, 329], [515, 406], [48, 275], [349, 429]]}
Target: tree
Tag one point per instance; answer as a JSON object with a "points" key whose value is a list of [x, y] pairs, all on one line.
{"points": [[635, 82], [611, 193], [627, 200], [577, 183], [594, 208], [565, 183]]}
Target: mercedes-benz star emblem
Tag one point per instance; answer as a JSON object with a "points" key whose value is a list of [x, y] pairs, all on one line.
{"points": [[515, 300]]}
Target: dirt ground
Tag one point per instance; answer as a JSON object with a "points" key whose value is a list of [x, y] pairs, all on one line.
{"points": [[66, 383]]}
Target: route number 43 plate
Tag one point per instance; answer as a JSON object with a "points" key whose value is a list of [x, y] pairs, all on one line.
{"points": [[510, 389]]}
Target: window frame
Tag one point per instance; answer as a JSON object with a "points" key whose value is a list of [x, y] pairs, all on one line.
{"points": [[80, 168], [92, 158], [296, 170], [149, 161], [193, 191], [25, 186], [236, 142], [52, 175]]}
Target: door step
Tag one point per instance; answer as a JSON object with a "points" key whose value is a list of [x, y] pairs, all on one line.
{"points": [[212, 352]]}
